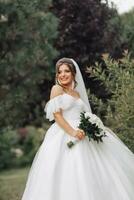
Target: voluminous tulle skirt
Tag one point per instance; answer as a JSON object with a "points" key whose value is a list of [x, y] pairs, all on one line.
{"points": [[88, 171]]}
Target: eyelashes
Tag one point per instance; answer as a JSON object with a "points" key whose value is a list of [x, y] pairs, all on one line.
{"points": [[65, 71]]}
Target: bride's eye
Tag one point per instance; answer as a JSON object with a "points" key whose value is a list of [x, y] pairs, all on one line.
{"points": [[67, 70]]}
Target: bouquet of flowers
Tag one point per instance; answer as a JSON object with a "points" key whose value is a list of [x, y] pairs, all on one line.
{"points": [[92, 126]]}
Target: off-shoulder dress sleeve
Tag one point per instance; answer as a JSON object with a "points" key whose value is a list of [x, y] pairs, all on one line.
{"points": [[54, 105]]}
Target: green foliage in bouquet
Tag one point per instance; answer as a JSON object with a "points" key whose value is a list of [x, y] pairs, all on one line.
{"points": [[92, 126], [90, 129]]}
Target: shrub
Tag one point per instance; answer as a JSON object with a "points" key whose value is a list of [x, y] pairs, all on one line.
{"points": [[18, 147], [30, 145], [119, 112], [8, 139]]}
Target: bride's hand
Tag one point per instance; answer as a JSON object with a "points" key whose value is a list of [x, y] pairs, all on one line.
{"points": [[79, 133]]}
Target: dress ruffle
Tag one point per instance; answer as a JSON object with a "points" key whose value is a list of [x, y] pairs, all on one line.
{"points": [[56, 104]]}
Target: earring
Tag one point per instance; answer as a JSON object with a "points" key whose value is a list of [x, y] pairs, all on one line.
{"points": [[73, 84], [58, 82]]}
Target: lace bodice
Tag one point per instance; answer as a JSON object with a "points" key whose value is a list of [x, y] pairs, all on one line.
{"points": [[71, 107]]}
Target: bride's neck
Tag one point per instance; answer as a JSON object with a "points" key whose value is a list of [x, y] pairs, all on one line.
{"points": [[67, 88]]}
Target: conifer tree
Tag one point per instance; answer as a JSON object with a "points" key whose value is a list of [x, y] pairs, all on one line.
{"points": [[28, 30]]}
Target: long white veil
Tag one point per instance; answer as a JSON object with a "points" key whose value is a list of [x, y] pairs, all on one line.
{"points": [[83, 94], [81, 85]]}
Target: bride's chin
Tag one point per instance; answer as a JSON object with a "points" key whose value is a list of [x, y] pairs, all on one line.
{"points": [[64, 84]]}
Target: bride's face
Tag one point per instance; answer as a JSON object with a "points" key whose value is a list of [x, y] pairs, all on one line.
{"points": [[65, 75]]}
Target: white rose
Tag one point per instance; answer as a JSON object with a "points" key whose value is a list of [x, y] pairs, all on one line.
{"points": [[99, 123], [96, 120], [87, 114], [93, 118], [100, 134]]}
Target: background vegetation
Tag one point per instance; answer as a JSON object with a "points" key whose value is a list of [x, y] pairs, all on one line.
{"points": [[33, 36], [27, 32], [117, 111]]}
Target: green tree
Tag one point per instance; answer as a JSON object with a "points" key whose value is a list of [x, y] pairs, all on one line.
{"points": [[86, 29], [127, 33], [28, 30], [118, 111]]}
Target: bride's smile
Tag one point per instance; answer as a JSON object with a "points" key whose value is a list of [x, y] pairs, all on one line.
{"points": [[65, 76]]}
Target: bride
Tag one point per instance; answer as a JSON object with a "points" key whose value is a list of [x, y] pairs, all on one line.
{"points": [[88, 170]]}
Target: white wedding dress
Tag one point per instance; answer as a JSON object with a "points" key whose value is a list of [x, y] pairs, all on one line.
{"points": [[87, 171]]}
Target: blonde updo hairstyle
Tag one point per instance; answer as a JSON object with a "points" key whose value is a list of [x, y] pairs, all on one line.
{"points": [[69, 63]]}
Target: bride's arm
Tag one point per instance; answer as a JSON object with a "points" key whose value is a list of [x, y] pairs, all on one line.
{"points": [[64, 124], [57, 90]]}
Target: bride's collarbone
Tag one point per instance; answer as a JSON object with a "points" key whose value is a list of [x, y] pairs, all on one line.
{"points": [[73, 94]]}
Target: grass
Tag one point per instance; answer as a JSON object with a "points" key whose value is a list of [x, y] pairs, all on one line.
{"points": [[12, 183]]}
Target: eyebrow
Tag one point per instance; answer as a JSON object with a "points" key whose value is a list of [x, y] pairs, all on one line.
{"points": [[65, 70]]}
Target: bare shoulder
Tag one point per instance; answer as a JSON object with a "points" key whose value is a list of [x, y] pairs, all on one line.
{"points": [[56, 90]]}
